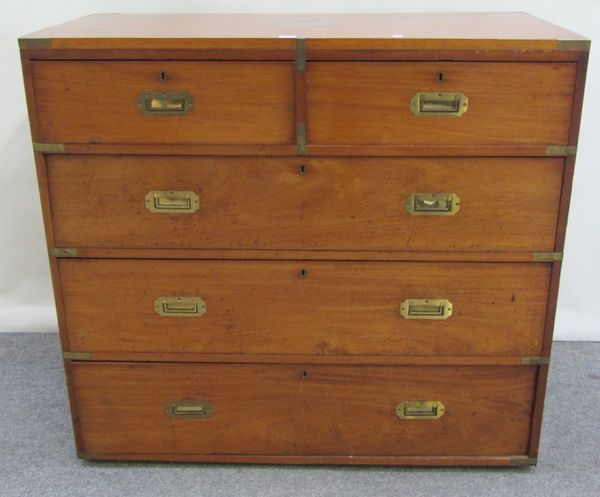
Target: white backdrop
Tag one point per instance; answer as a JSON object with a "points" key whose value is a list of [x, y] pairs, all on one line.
{"points": [[26, 302]]}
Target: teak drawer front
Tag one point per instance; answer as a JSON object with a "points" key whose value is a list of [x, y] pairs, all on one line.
{"points": [[332, 204], [369, 103], [300, 409], [333, 308], [97, 102]]}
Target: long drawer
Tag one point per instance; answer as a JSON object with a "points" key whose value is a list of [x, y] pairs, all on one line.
{"points": [[157, 408], [467, 204], [164, 102], [326, 308], [439, 103]]}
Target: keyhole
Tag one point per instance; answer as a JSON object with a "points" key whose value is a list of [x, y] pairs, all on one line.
{"points": [[302, 169], [305, 375], [441, 76], [302, 273], [163, 76]]}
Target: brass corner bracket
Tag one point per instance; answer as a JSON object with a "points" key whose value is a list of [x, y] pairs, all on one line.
{"points": [[49, 148], [547, 256], [34, 43], [62, 252], [527, 461], [574, 45], [561, 150], [90, 455], [535, 361], [77, 356]]}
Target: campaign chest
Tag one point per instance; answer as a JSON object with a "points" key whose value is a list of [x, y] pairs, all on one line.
{"points": [[306, 238]]}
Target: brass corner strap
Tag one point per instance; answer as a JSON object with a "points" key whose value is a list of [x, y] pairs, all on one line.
{"points": [[301, 138], [523, 461], [49, 148], [300, 53], [535, 361], [62, 252], [547, 256], [561, 150], [77, 356]]}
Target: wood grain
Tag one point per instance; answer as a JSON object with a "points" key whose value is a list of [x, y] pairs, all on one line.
{"points": [[369, 103], [338, 204], [95, 102], [338, 308], [302, 409]]}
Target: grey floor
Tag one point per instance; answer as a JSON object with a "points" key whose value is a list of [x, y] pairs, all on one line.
{"points": [[37, 457]]}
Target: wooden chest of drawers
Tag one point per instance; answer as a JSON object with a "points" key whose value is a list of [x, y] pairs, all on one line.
{"points": [[306, 239]]}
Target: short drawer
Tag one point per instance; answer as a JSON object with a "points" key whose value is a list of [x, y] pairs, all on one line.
{"points": [[301, 409], [328, 308], [164, 102], [439, 103], [305, 203]]}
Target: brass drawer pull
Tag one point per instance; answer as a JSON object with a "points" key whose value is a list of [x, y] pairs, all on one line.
{"points": [[420, 409], [189, 409], [170, 102], [426, 309], [180, 307], [172, 202], [439, 104], [432, 204]]}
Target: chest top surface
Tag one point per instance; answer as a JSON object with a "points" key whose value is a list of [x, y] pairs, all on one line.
{"points": [[507, 30]]}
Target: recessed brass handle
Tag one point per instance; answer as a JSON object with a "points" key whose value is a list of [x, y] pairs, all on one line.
{"points": [[180, 202], [170, 102], [432, 204], [439, 104], [426, 309], [420, 409], [180, 306], [189, 409]]}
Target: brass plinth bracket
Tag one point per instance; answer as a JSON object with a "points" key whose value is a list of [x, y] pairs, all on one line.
{"points": [[528, 461]]}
